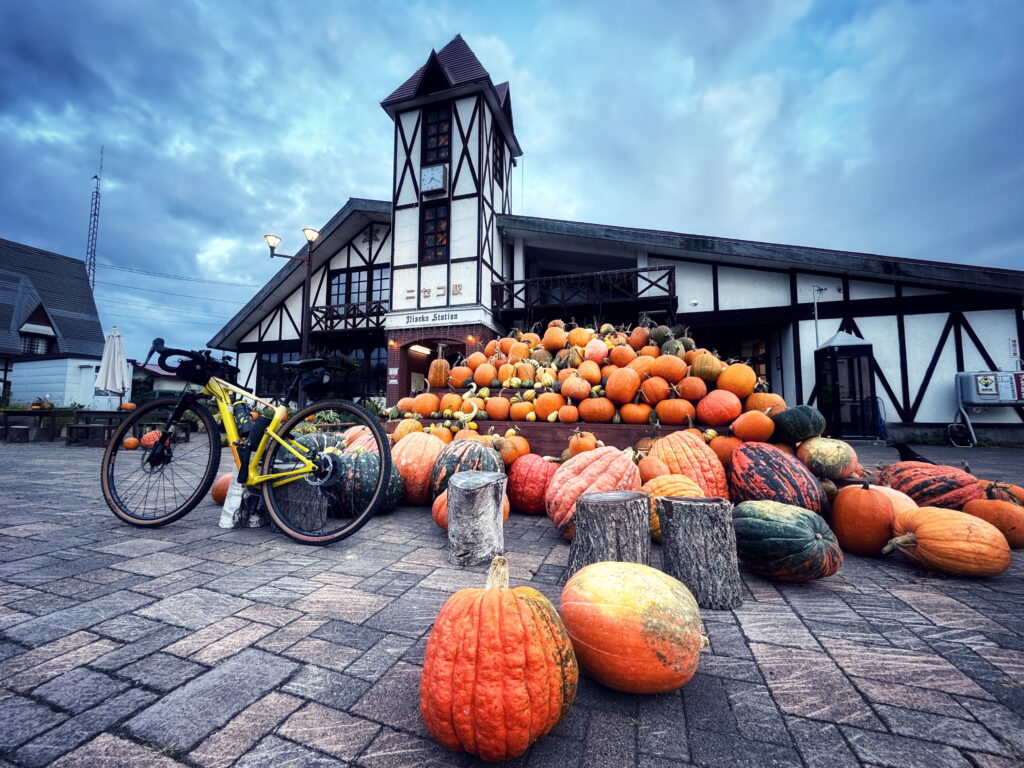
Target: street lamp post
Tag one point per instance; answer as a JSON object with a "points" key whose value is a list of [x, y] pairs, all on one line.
{"points": [[307, 310]]}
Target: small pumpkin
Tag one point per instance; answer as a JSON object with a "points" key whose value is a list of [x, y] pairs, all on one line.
{"points": [[639, 337], [602, 469], [723, 447], [635, 413], [675, 412], [576, 388], [794, 425], [219, 490], [862, 520], [655, 389], [669, 367], [511, 448], [590, 372], [691, 388], [785, 542], [1004, 515], [568, 414], [128, 406], [826, 457], [581, 442], [634, 628], [130, 443], [622, 355], [753, 426], [763, 401], [950, 542], [706, 367], [528, 480], [469, 700]]}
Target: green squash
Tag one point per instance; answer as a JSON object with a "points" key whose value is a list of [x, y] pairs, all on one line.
{"points": [[660, 334], [359, 472], [796, 424], [672, 347], [785, 543], [462, 456]]}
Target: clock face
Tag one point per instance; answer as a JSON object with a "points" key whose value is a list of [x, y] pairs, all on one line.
{"points": [[432, 178]]}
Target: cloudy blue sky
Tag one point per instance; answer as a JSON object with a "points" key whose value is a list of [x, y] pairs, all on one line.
{"points": [[886, 127]]}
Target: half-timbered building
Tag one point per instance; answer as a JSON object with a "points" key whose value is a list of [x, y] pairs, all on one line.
{"points": [[445, 266]]}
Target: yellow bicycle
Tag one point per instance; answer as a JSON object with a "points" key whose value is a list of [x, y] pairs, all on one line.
{"points": [[323, 472]]}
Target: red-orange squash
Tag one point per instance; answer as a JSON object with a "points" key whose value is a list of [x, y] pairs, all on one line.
{"points": [[932, 485], [439, 509], [762, 472], [718, 408], [219, 491], [130, 443], [528, 480], [602, 469], [499, 670], [414, 458], [950, 542], [687, 454], [634, 628], [1004, 515], [723, 447], [862, 520]]}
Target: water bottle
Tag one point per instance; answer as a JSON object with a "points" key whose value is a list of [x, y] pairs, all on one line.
{"points": [[243, 418]]}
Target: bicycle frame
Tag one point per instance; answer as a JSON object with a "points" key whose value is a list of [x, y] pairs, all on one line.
{"points": [[221, 392]]}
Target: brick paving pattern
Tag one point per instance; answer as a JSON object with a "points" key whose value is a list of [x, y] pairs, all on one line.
{"points": [[192, 645]]}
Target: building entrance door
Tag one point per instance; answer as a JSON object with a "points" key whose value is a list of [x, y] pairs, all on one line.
{"points": [[846, 389]]}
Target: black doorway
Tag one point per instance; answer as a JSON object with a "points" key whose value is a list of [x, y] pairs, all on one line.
{"points": [[846, 388]]}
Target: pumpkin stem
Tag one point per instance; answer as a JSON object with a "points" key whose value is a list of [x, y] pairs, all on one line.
{"points": [[497, 574], [906, 541]]}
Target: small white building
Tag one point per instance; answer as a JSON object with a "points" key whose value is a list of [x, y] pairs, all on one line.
{"points": [[51, 340], [446, 262]]}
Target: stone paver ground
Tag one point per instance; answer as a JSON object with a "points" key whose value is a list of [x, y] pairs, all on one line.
{"points": [[192, 645]]}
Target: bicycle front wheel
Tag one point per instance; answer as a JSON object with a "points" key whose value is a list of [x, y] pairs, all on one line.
{"points": [[351, 479], [150, 482]]}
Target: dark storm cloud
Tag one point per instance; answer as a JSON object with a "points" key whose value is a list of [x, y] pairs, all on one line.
{"points": [[882, 127]]}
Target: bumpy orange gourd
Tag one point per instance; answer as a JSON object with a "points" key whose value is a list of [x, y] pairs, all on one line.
{"points": [[951, 542], [414, 458], [602, 469], [687, 454], [668, 485], [1004, 515], [862, 520], [634, 628], [499, 670]]}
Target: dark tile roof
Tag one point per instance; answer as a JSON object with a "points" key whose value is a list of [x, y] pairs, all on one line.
{"points": [[505, 100], [30, 277], [457, 62]]}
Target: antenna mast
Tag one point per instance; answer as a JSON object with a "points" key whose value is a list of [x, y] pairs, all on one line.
{"points": [[94, 225]]}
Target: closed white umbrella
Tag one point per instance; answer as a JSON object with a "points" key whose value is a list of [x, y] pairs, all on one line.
{"points": [[113, 373]]}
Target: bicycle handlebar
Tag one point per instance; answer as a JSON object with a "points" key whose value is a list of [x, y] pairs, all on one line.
{"points": [[164, 352]]}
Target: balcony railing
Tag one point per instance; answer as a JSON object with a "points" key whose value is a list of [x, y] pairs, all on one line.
{"points": [[349, 317], [649, 287]]}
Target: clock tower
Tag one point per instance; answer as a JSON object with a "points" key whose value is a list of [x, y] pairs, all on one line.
{"points": [[454, 152]]}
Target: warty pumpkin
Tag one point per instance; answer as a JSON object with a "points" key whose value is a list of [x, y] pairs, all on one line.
{"points": [[602, 469], [528, 480], [738, 378], [826, 457], [668, 485], [718, 408], [439, 510], [932, 485], [687, 454], [950, 542], [1004, 515], [862, 520], [622, 385], [499, 670], [762, 472], [414, 456], [675, 412], [634, 628], [785, 542]]}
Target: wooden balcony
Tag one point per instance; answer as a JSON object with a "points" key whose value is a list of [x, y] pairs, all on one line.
{"points": [[616, 295], [349, 317]]}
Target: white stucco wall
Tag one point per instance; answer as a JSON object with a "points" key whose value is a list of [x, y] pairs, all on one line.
{"points": [[749, 288]]}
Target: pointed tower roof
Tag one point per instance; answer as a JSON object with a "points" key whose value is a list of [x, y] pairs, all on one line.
{"points": [[454, 68], [844, 339]]}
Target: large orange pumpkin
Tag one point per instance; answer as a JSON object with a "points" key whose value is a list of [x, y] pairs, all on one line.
{"points": [[602, 469], [548, 403], [634, 628], [438, 373], [1004, 515], [425, 404], [862, 520], [951, 542], [655, 389], [414, 458], [622, 385], [459, 376], [596, 410], [554, 339], [687, 454], [484, 375], [668, 485], [622, 355], [639, 337], [739, 379], [499, 670]]}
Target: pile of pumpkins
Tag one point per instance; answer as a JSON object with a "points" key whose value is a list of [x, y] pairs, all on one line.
{"points": [[610, 375]]}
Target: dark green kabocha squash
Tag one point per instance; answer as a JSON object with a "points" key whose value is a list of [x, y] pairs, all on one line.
{"points": [[359, 472], [796, 424], [462, 456], [785, 543], [762, 471]]}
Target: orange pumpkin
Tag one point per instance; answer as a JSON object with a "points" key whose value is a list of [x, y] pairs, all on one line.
{"points": [[506, 372], [691, 388], [578, 337], [130, 443], [655, 389], [635, 413], [651, 468], [675, 412], [581, 442], [669, 367], [739, 379], [467, 699], [650, 351], [425, 404], [687, 454], [763, 401], [414, 458], [718, 408], [862, 520], [568, 414], [723, 447], [576, 388], [405, 405], [622, 386], [639, 337], [477, 359], [450, 402], [1003, 491], [900, 501], [521, 411], [442, 433], [554, 339], [438, 373], [951, 542], [518, 351], [590, 372], [484, 375], [753, 426], [608, 609], [511, 448], [526, 371], [692, 354], [548, 403], [1004, 515], [219, 491], [602, 469], [460, 375], [622, 355], [668, 485], [128, 406], [596, 410], [497, 407], [787, 448]]}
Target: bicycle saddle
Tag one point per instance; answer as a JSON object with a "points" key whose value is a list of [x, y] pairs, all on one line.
{"points": [[305, 365]]}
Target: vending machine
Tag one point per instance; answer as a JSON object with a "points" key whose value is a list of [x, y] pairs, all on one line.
{"points": [[983, 389]]}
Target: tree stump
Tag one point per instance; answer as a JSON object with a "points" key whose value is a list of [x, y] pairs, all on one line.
{"points": [[610, 526], [475, 520], [698, 543]]}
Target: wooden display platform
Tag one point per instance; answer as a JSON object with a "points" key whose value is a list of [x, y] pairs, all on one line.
{"points": [[551, 439]]}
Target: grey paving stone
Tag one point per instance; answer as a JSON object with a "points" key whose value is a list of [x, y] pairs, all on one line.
{"points": [[352, 635], [328, 730], [109, 750], [333, 689], [1007, 726], [162, 672], [322, 653], [376, 661], [127, 627], [156, 564], [945, 730], [74, 732], [79, 689], [898, 752], [23, 720], [60, 623], [395, 700], [42, 603], [135, 546], [611, 741], [726, 750], [662, 727], [224, 746], [706, 703], [394, 749], [412, 614], [273, 752], [331, 602], [756, 715], [190, 713], [194, 608], [911, 697], [142, 647], [820, 744], [551, 752]]}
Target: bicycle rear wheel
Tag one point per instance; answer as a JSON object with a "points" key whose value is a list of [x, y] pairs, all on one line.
{"points": [[352, 455], [149, 485]]}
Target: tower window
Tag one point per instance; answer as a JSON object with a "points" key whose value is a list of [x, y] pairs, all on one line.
{"points": [[437, 135], [435, 232], [498, 157]]}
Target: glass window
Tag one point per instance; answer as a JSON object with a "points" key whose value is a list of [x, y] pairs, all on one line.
{"points": [[271, 378], [437, 135], [377, 382], [498, 153], [337, 289], [435, 232], [381, 288], [34, 345], [357, 286]]}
